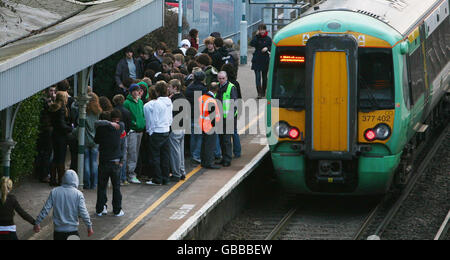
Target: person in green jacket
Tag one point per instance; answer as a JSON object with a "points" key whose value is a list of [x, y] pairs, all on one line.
{"points": [[136, 107]]}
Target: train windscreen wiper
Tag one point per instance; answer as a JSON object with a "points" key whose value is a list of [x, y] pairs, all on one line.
{"points": [[371, 97], [293, 102]]}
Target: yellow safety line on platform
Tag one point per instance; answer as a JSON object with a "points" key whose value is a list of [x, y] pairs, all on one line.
{"points": [[170, 191], [156, 204], [242, 131]]}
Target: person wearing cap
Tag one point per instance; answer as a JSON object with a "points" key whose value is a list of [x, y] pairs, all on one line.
{"points": [[215, 35], [135, 105], [196, 89], [128, 67], [184, 45]]}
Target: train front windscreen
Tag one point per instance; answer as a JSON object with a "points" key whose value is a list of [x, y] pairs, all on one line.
{"points": [[288, 85], [375, 78]]}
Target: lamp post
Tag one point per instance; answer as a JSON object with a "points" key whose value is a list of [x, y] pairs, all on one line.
{"points": [[243, 40], [180, 21]]}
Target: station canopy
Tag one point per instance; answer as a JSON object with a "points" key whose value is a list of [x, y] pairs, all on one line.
{"points": [[43, 42]]}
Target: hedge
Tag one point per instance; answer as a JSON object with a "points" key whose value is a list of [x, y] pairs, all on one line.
{"points": [[104, 83], [25, 134]]}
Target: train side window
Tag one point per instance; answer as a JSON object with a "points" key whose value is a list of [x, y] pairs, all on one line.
{"points": [[416, 74], [436, 53], [406, 88], [444, 40]]}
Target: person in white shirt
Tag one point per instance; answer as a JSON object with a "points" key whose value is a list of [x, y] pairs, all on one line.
{"points": [[158, 117]]}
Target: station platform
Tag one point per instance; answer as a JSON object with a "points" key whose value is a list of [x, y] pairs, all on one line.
{"points": [[159, 212]]}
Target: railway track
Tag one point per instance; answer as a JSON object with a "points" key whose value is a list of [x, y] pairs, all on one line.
{"points": [[301, 226], [319, 225], [442, 232], [390, 206], [311, 218]]}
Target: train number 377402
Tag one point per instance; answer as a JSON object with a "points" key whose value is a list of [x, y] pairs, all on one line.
{"points": [[373, 118]]}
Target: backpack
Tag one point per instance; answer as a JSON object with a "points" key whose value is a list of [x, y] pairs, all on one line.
{"points": [[228, 59]]}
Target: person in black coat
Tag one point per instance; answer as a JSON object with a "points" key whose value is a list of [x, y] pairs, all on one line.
{"points": [[216, 56], [126, 115], [44, 143], [59, 117], [9, 205], [196, 134], [128, 67], [111, 159], [261, 57], [126, 119]]}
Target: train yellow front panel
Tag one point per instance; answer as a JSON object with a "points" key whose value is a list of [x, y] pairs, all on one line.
{"points": [[292, 117], [368, 120], [330, 102]]}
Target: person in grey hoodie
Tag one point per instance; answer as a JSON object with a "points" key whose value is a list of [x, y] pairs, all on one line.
{"points": [[68, 203]]}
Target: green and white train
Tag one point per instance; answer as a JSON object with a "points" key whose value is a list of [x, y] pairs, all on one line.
{"points": [[354, 86]]}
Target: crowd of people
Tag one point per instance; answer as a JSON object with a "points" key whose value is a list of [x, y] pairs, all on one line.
{"points": [[130, 138]]}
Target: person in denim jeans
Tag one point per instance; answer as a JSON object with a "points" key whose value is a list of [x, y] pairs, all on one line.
{"points": [[135, 105], [232, 77], [176, 137], [93, 111], [118, 101], [111, 160], [198, 86]]}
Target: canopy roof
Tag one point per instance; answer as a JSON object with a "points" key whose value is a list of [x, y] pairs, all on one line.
{"points": [[31, 64]]}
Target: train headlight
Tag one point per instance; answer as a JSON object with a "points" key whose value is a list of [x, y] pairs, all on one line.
{"points": [[370, 135], [294, 133], [379, 132], [382, 131], [282, 129]]}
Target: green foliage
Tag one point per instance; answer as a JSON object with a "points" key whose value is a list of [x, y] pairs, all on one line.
{"points": [[25, 133], [168, 33], [104, 82]]}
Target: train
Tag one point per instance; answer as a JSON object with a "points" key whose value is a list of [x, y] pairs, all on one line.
{"points": [[354, 87]]}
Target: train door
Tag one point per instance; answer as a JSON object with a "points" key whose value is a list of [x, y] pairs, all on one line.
{"points": [[330, 102], [332, 96]]}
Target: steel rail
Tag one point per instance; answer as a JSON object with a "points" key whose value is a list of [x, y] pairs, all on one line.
{"points": [[411, 183], [367, 221], [442, 232], [274, 233]]}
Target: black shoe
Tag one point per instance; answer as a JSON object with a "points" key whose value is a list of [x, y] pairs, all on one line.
{"points": [[226, 164], [174, 179], [183, 177], [195, 161], [221, 162], [214, 167]]}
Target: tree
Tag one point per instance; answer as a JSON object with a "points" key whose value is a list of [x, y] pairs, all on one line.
{"points": [[104, 83]]}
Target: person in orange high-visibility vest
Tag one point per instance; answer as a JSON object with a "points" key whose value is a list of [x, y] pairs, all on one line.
{"points": [[208, 105]]}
